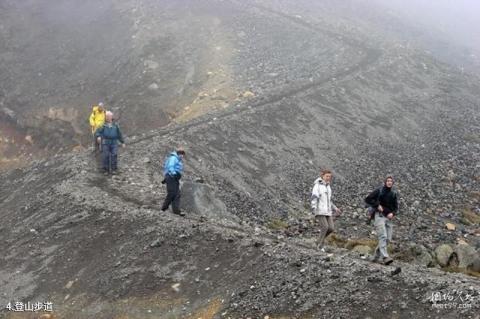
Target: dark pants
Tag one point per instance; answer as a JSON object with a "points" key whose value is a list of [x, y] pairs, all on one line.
{"points": [[109, 152], [173, 193]]}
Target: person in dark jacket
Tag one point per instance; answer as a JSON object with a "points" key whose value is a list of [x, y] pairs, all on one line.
{"points": [[109, 135], [172, 172], [383, 205]]}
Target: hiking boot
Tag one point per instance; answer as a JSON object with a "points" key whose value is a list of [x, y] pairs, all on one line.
{"points": [[180, 213], [114, 172], [387, 261], [105, 173]]}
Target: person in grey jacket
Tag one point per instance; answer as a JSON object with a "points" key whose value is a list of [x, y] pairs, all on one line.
{"points": [[322, 205]]}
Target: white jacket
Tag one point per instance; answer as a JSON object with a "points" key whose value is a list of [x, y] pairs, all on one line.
{"points": [[322, 198]]}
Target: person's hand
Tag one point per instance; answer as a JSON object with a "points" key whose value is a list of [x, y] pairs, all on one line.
{"points": [[99, 139], [337, 212], [380, 208], [123, 144], [390, 216]]}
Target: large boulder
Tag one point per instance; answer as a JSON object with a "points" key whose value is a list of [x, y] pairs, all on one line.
{"points": [[443, 253], [421, 255], [475, 266], [466, 255]]}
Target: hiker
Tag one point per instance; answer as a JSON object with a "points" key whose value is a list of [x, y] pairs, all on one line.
{"points": [[322, 206], [97, 118], [172, 172], [383, 205], [109, 135]]}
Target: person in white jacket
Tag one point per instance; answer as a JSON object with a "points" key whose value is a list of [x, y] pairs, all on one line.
{"points": [[322, 205]]}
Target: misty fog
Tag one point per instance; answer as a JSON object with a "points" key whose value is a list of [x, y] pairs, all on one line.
{"points": [[456, 22]]}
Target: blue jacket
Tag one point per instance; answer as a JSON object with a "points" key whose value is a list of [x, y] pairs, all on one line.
{"points": [[173, 165], [110, 133]]}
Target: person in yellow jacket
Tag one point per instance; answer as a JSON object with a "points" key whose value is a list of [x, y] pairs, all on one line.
{"points": [[97, 119]]}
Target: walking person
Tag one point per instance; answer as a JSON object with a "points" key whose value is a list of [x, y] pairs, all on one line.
{"points": [[322, 205], [172, 172], [383, 205], [109, 135]]}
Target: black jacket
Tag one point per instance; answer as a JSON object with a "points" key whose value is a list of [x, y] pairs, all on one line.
{"points": [[387, 197]]}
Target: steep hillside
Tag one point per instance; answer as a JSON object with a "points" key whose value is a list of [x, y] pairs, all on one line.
{"points": [[153, 63], [147, 61]]}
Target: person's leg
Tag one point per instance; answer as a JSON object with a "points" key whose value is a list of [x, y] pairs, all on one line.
{"points": [[331, 226], [323, 223], [381, 250], [170, 181], [389, 229], [376, 255], [97, 154], [114, 152], [176, 199], [106, 157]]}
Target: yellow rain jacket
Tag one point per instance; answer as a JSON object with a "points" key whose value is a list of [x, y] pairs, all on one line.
{"points": [[97, 118]]}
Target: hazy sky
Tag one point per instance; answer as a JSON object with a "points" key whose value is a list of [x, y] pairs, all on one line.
{"points": [[457, 19]]}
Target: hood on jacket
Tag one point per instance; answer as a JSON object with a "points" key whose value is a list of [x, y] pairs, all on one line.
{"points": [[320, 180], [174, 153], [96, 109]]}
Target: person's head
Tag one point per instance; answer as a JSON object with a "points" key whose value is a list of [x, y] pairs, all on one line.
{"points": [[109, 116], [389, 181], [326, 175], [101, 107], [181, 152]]}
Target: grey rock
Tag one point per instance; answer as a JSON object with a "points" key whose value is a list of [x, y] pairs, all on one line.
{"points": [[156, 243], [475, 266], [362, 250], [421, 255], [443, 254], [466, 255]]}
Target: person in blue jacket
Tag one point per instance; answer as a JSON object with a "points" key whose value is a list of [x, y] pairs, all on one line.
{"points": [[172, 172], [109, 135]]}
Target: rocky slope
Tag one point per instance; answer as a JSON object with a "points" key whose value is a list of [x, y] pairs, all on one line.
{"points": [[147, 61], [157, 62], [361, 105]]}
